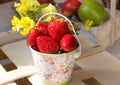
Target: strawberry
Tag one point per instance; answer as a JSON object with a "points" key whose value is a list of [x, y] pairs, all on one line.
{"points": [[68, 43], [47, 44], [57, 29], [32, 35], [35, 47], [43, 27]]}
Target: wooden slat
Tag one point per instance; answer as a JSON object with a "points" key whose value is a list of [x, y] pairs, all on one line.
{"points": [[84, 42], [23, 81], [112, 21], [103, 67], [5, 61], [78, 77], [17, 74], [91, 81], [91, 50], [9, 36], [11, 66], [19, 57], [88, 48], [2, 55], [2, 70]]}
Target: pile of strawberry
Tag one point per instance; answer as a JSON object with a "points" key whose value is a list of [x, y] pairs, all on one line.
{"points": [[52, 37]]}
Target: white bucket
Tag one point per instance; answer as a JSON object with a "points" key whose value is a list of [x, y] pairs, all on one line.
{"points": [[55, 69]]}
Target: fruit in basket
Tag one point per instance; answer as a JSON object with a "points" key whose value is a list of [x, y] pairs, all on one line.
{"points": [[45, 1], [57, 29], [32, 36], [92, 12], [52, 37], [43, 27], [35, 47], [70, 7], [47, 44], [68, 43]]}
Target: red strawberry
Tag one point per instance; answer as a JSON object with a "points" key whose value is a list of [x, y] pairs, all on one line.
{"points": [[68, 43], [32, 36], [35, 47], [47, 44], [57, 29], [43, 27]]}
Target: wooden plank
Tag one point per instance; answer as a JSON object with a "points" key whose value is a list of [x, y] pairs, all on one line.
{"points": [[103, 32], [2, 71], [112, 21], [103, 67], [19, 57], [10, 66], [5, 61], [22, 81], [91, 50], [2, 55], [9, 36], [117, 25], [16, 74], [88, 48], [78, 76], [84, 42]]}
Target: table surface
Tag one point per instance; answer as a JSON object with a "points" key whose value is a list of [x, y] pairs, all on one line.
{"points": [[95, 66]]}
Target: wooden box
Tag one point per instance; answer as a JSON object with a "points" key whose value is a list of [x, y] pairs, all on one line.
{"points": [[108, 32]]}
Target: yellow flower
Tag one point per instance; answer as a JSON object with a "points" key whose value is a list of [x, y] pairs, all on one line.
{"points": [[25, 5], [28, 10], [20, 8], [26, 23], [88, 24], [30, 4], [23, 25], [15, 24], [49, 8]]}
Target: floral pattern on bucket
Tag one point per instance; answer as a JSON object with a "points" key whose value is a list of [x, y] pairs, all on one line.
{"points": [[54, 68]]}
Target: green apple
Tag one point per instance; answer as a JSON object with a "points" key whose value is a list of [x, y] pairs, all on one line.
{"points": [[93, 11]]}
